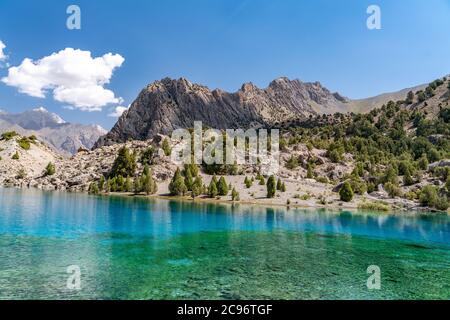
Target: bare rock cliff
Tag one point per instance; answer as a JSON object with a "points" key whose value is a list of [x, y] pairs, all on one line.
{"points": [[171, 104]]}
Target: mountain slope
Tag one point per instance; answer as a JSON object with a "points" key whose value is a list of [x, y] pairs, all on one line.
{"points": [[49, 127], [170, 104]]}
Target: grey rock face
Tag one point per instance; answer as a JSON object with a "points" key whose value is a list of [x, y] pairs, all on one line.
{"points": [[171, 104]]}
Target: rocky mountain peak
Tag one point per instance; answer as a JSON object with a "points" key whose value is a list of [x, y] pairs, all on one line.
{"points": [[169, 104]]}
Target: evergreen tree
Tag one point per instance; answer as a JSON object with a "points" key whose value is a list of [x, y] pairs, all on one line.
{"points": [[346, 192], [147, 156], [271, 187], [177, 186], [188, 180], [137, 186], [262, 182], [120, 182], [197, 187], [146, 171], [222, 187], [93, 188], [410, 97], [279, 184], [234, 195], [283, 187], [423, 162], [309, 172], [148, 185], [128, 186], [166, 147], [124, 165], [101, 183], [214, 178], [248, 183], [408, 180], [212, 189]]}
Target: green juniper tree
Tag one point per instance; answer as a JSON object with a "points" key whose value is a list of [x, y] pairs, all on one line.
{"points": [[177, 186], [346, 192], [222, 187], [212, 189], [271, 187]]}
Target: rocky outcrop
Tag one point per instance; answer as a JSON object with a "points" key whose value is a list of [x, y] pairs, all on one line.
{"points": [[170, 104], [71, 174]]}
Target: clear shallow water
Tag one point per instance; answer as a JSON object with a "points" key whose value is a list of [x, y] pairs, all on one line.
{"points": [[131, 248]]}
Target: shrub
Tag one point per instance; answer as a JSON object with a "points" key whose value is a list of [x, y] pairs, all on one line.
{"points": [[429, 196], [271, 187], [166, 147], [248, 183], [334, 155], [24, 143], [346, 192], [310, 172], [374, 205], [407, 179], [93, 188], [390, 175], [305, 197], [50, 169], [322, 179], [292, 163], [16, 156], [411, 195], [423, 162], [8, 135], [279, 183], [410, 97], [358, 185], [147, 156], [392, 189], [441, 204], [21, 174], [262, 181], [447, 185]]}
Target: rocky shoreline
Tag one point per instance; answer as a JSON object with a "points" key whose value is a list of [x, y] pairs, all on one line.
{"points": [[75, 174]]}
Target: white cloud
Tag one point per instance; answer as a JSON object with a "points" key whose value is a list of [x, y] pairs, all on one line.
{"points": [[3, 56], [118, 111], [72, 75]]}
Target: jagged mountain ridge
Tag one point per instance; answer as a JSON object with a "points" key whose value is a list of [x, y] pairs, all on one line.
{"points": [[170, 104], [64, 137]]}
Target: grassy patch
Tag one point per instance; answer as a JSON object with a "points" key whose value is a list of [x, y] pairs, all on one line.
{"points": [[374, 205], [24, 143]]}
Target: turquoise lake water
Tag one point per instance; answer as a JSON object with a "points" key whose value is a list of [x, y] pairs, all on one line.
{"points": [[135, 248]]}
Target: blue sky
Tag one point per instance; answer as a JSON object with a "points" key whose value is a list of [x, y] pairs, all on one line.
{"points": [[224, 43]]}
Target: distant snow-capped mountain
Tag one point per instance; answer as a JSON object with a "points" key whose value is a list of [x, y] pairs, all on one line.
{"points": [[63, 136]]}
